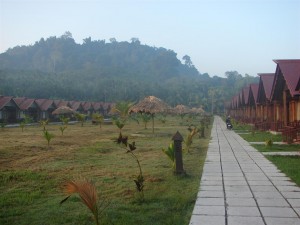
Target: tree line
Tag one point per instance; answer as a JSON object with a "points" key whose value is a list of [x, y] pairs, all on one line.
{"points": [[59, 68]]}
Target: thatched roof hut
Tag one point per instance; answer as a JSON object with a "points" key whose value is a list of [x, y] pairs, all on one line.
{"points": [[63, 110], [151, 105], [181, 109], [197, 111]]}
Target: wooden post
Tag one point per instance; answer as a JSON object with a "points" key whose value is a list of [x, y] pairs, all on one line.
{"points": [[177, 138]]}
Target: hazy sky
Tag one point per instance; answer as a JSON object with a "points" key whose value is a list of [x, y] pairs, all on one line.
{"points": [[218, 35]]}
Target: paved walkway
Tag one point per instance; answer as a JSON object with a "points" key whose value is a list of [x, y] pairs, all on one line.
{"points": [[239, 186]]}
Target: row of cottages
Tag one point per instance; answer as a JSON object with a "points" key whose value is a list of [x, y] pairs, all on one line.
{"points": [[15, 109], [272, 104]]}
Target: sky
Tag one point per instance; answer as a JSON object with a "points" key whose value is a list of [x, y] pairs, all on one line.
{"points": [[218, 35]]}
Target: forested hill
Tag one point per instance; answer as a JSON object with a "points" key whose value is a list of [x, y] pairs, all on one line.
{"points": [[58, 67]]}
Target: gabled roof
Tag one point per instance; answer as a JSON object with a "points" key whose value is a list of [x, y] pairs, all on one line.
{"points": [[246, 94], [25, 103], [265, 85], [45, 104], [60, 103], [87, 106], [96, 105], [7, 101], [75, 105], [254, 92], [290, 70]]}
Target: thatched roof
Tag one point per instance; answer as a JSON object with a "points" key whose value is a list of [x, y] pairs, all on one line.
{"points": [[197, 111], [181, 109], [150, 105], [63, 110]]}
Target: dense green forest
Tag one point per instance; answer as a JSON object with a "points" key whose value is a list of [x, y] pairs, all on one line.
{"points": [[96, 70]]}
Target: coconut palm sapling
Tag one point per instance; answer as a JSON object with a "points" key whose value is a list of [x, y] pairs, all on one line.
{"points": [[88, 195], [130, 147]]}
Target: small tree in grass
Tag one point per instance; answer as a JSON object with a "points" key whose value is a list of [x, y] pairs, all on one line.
{"points": [[44, 123], [170, 152], [139, 180], [98, 118], [80, 117], [62, 129], [25, 121], [48, 136], [64, 120], [120, 123], [146, 118], [189, 139]]}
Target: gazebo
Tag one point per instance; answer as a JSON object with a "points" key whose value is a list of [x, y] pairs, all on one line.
{"points": [[150, 105]]}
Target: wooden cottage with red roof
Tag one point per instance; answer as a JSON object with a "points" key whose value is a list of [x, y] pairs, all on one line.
{"points": [[284, 94], [27, 107], [88, 108], [265, 106], [8, 109], [245, 116], [46, 107], [76, 106], [252, 102]]}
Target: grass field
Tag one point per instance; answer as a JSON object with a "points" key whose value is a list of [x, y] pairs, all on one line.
{"points": [[277, 148], [290, 165], [31, 173]]}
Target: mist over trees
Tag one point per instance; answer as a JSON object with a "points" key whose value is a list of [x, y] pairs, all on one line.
{"points": [[96, 70]]}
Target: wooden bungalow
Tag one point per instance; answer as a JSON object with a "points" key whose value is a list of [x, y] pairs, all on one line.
{"points": [[265, 106], [245, 104], [252, 102], [88, 108], [284, 95], [46, 107], [97, 106], [27, 107], [235, 103], [76, 106], [8, 109]]}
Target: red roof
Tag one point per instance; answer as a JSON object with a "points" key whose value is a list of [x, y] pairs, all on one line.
{"points": [[96, 105], [254, 91], [60, 103], [246, 94], [6, 100], [75, 105], [87, 106], [25, 103], [266, 80], [45, 104], [291, 72]]}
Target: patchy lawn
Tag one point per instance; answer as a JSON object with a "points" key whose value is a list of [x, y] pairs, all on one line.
{"points": [[31, 173]]}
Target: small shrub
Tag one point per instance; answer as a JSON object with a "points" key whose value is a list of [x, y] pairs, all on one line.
{"points": [[80, 117], [139, 181], [25, 121], [269, 143], [170, 152], [98, 118], [146, 118], [64, 120], [44, 123], [62, 129], [189, 139], [48, 136]]}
